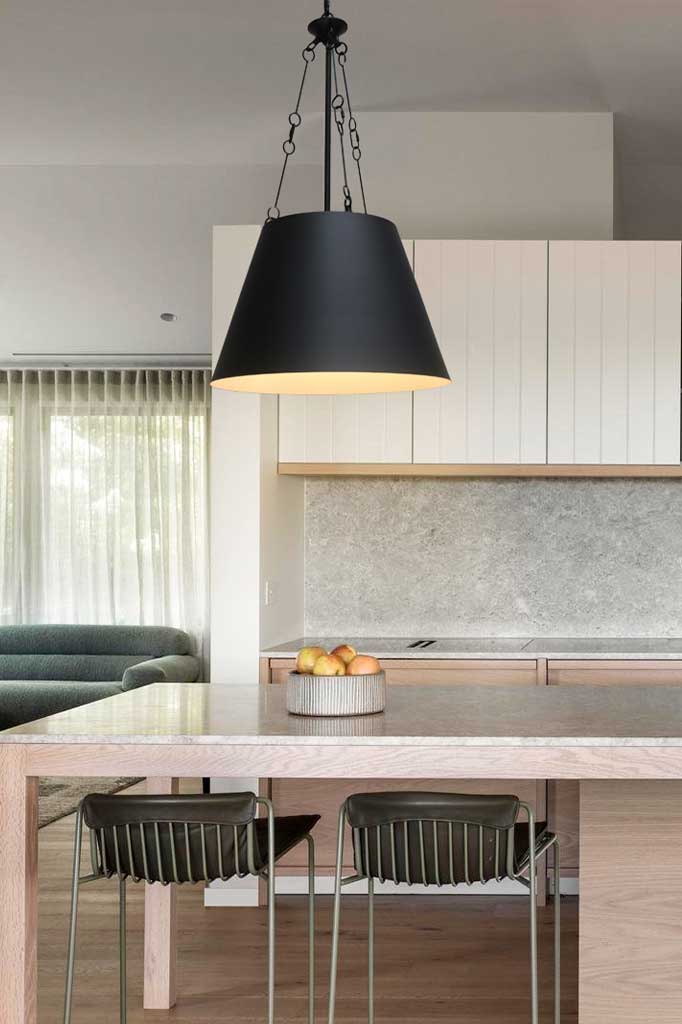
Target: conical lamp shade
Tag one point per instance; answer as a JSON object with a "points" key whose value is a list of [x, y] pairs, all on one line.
{"points": [[329, 306]]}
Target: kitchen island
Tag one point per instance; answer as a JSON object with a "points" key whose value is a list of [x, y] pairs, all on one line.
{"points": [[485, 661], [624, 745]]}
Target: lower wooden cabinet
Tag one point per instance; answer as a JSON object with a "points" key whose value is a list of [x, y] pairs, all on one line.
{"points": [[432, 672], [314, 796], [614, 673]]}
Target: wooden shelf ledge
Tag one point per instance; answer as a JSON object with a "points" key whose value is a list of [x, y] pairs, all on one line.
{"points": [[498, 470]]}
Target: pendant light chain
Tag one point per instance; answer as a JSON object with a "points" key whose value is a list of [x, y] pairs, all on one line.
{"points": [[327, 30], [342, 54], [295, 119], [340, 117]]}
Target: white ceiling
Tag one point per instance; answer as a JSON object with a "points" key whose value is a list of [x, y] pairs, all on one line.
{"points": [[211, 81]]}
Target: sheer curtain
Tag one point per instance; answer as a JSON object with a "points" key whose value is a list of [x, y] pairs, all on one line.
{"points": [[104, 497]]}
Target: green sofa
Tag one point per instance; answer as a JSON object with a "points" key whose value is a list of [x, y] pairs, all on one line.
{"points": [[45, 669]]}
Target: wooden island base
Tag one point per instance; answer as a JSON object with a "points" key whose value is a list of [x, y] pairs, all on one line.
{"points": [[630, 902]]}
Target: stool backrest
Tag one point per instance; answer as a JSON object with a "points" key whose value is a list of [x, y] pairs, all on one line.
{"points": [[167, 839], [433, 838]]}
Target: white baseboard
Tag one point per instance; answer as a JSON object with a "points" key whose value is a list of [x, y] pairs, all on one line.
{"points": [[229, 898], [229, 894]]}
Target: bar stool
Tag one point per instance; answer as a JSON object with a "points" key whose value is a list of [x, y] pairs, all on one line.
{"points": [[443, 839], [193, 838]]}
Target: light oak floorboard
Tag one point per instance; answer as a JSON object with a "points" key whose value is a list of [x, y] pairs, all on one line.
{"points": [[438, 959]]}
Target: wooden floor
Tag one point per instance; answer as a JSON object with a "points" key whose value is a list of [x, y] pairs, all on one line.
{"points": [[438, 959]]}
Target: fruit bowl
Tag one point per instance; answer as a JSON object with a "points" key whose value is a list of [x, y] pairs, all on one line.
{"points": [[336, 696]]}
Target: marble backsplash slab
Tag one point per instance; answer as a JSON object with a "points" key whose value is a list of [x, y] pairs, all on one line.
{"points": [[505, 557]]}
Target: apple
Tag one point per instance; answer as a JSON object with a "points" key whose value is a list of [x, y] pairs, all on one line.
{"points": [[329, 665], [307, 657], [345, 652], [363, 665]]}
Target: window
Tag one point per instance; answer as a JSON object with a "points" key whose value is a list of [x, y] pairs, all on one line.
{"points": [[104, 497]]}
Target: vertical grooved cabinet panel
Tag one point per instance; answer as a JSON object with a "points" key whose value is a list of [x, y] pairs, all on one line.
{"points": [[347, 428], [667, 369], [614, 352], [487, 301], [305, 428]]}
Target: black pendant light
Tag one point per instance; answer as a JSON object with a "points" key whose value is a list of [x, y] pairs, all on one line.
{"points": [[330, 304]]}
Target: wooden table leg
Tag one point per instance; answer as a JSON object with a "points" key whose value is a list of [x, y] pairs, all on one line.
{"points": [[630, 902], [160, 938], [18, 887]]}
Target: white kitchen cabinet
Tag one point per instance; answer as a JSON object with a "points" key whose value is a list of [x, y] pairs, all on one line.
{"points": [[487, 301], [614, 353], [347, 428]]}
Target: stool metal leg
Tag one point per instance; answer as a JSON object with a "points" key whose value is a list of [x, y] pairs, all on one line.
{"points": [[370, 950], [311, 929], [271, 914], [533, 921], [74, 917], [336, 919], [122, 951], [557, 933]]}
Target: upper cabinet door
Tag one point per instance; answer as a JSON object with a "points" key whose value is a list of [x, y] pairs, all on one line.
{"points": [[614, 352], [347, 428], [488, 306]]}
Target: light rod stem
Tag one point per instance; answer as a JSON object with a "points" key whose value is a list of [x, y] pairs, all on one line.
{"points": [[327, 126]]}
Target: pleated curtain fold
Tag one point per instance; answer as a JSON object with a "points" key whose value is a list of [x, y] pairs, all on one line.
{"points": [[104, 497]]}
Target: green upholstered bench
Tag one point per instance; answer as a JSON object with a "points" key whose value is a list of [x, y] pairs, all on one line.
{"points": [[45, 669]]}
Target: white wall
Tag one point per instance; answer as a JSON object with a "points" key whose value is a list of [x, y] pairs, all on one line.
{"points": [[490, 175], [256, 516], [90, 256]]}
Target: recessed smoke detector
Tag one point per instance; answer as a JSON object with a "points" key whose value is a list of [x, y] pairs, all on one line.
{"points": [[169, 317]]}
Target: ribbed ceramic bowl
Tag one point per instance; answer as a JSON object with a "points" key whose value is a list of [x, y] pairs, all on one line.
{"points": [[332, 696]]}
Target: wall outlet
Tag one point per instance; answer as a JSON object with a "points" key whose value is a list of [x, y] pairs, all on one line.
{"points": [[269, 593]]}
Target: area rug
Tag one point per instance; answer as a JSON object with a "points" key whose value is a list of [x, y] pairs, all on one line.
{"points": [[58, 797]]}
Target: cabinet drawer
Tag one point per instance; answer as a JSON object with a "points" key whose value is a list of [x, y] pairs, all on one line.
{"points": [[614, 673], [404, 671], [460, 673]]}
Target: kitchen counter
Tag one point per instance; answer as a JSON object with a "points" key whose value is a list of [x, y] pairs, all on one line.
{"points": [[579, 648], [248, 716], [625, 748]]}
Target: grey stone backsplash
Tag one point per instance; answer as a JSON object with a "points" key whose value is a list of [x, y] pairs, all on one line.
{"points": [[445, 557]]}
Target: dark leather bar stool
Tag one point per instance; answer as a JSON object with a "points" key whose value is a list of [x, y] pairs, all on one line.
{"points": [[443, 839], [196, 838]]}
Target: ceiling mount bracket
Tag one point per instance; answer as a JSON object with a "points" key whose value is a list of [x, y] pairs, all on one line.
{"points": [[328, 29]]}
